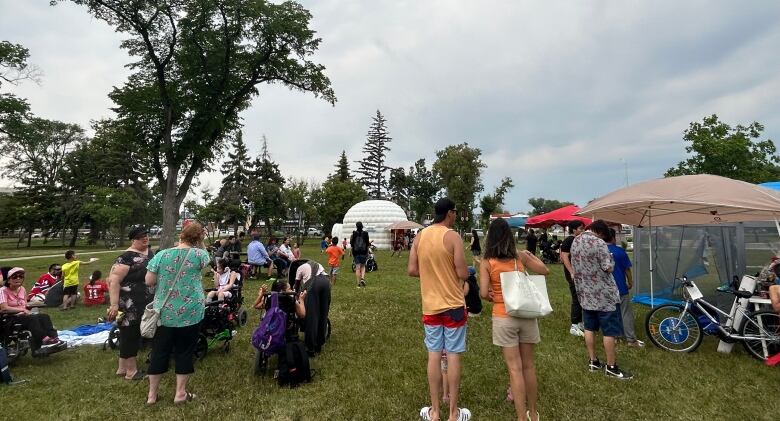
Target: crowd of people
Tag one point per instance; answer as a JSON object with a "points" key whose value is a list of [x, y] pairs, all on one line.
{"points": [[599, 277]]}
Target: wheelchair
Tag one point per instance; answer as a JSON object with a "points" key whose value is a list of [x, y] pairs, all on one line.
{"points": [[14, 338]]}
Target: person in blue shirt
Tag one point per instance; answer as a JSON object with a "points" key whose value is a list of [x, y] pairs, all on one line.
{"points": [[257, 256], [324, 243], [624, 281]]}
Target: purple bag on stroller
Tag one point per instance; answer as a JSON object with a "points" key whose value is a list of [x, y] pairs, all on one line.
{"points": [[269, 337]]}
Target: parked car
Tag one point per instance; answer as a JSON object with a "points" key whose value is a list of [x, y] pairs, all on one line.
{"points": [[313, 232]]}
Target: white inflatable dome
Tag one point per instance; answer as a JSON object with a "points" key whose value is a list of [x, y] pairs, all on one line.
{"points": [[336, 232], [376, 216]]}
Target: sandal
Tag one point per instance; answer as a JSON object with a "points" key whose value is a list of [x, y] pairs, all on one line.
{"points": [[139, 375], [190, 397], [150, 403]]}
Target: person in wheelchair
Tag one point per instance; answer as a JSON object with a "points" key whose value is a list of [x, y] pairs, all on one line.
{"points": [[13, 306], [288, 301], [224, 280]]}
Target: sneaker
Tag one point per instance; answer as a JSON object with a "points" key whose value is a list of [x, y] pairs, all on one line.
{"points": [[362, 284], [594, 365], [576, 331], [616, 372], [463, 414], [635, 344], [425, 413]]}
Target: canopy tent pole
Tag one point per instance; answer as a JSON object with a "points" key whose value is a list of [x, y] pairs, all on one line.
{"points": [[652, 262], [777, 225]]}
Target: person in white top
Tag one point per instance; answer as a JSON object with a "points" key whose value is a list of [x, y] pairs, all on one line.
{"points": [[285, 250], [224, 279]]}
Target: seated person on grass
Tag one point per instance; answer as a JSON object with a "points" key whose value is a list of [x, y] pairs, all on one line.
{"points": [[95, 291], [37, 295]]}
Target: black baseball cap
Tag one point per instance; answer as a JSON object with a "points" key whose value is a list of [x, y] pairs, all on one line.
{"points": [[138, 232]]}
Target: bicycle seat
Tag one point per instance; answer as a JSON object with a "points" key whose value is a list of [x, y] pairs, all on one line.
{"points": [[741, 293]]}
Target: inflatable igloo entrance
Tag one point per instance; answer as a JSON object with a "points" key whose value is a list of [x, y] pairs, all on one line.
{"points": [[376, 216]]}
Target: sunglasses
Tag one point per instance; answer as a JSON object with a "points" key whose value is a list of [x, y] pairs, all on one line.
{"points": [[16, 276]]}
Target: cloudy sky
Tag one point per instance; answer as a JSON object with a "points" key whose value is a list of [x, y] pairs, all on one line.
{"points": [[563, 96]]}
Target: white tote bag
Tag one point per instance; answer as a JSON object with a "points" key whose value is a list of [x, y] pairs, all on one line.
{"points": [[525, 296]]}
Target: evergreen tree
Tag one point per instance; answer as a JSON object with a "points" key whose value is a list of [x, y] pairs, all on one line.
{"points": [[373, 168], [265, 195], [235, 184], [342, 168]]}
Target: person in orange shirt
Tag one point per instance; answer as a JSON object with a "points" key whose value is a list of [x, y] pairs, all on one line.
{"points": [[514, 335], [335, 256]]}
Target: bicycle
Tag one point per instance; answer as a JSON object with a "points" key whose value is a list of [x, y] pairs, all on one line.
{"points": [[679, 328]]}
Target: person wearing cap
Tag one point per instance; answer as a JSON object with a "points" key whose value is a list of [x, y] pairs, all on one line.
{"points": [[437, 258], [13, 301], [313, 280], [129, 294], [70, 282]]}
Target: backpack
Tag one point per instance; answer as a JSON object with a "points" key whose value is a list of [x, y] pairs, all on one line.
{"points": [[360, 246], [473, 302], [269, 337], [294, 365], [5, 372]]}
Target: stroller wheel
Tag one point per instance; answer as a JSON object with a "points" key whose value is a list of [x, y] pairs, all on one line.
{"points": [[327, 335], [113, 338], [201, 347], [226, 347]]}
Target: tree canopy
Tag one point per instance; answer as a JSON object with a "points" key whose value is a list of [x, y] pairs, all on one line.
{"points": [[197, 65], [734, 152], [541, 205], [459, 167]]}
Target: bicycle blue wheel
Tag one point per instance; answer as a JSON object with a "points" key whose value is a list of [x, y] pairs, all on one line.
{"points": [[667, 328]]}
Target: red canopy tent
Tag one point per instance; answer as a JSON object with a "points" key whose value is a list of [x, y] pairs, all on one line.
{"points": [[560, 216]]}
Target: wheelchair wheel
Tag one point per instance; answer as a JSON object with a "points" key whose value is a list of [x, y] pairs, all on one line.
{"points": [[668, 330], [242, 317], [371, 266], [765, 326], [353, 266], [261, 363], [327, 335], [201, 347], [113, 338]]}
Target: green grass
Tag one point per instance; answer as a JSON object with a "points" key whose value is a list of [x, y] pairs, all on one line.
{"points": [[373, 368]]}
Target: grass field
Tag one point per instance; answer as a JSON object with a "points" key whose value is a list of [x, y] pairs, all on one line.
{"points": [[373, 368]]}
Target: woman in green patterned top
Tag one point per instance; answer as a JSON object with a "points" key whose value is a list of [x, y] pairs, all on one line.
{"points": [[176, 274]]}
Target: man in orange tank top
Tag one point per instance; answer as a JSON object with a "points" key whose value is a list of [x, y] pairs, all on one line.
{"points": [[437, 259]]}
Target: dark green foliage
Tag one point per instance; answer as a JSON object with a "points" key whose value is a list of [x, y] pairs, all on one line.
{"points": [[423, 189], [265, 192], [197, 65], [492, 203], [373, 166], [541, 205], [734, 152], [342, 168], [459, 168]]}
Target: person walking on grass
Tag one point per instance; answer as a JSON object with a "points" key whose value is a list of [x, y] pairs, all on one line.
{"points": [[335, 256], [624, 281], [598, 295], [359, 244], [70, 283], [437, 258], [575, 229], [516, 337]]}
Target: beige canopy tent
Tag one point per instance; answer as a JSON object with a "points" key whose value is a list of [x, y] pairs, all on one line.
{"points": [[686, 200], [404, 225]]}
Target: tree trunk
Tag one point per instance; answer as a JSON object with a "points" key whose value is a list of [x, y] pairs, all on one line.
{"points": [[29, 238], [171, 206], [74, 237]]}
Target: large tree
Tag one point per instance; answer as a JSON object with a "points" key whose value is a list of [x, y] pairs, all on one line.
{"points": [[234, 193], [459, 168], [423, 189], [373, 167], [399, 187], [734, 152], [265, 193], [342, 168], [197, 65], [14, 69]]}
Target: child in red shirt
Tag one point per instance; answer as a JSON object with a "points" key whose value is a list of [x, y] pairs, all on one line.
{"points": [[95, 291]]}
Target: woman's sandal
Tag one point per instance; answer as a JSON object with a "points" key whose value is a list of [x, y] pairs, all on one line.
{"points": [[139, 375], [190, 397], [150, 403]]}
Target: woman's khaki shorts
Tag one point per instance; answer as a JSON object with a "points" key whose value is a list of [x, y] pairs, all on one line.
{"points": [[511, 331]]}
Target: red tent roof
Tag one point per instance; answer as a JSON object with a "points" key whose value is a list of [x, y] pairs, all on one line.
{"points": [[560, 216]]}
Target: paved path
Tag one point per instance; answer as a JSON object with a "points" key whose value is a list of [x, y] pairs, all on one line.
{"points": [[60, 255]]}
